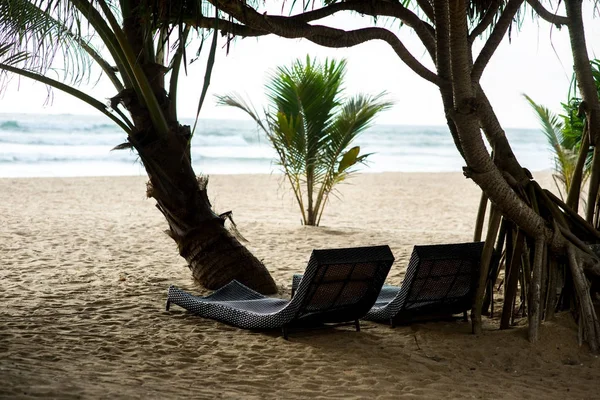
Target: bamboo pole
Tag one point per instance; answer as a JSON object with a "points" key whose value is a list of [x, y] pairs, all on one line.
{"points": [[493, 225], [575, 240], [575, 217], [488, 302], [544, 283], [535, 292], [480, 217], [560, 221], [525, 278], [551, 288], [494, 278], [545, 201], [510, 247], [512, 280], [586, 319]]}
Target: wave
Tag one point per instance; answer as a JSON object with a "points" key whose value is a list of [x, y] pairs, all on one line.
{"points": [[12, 126], [73, 142], [57, 140], [32, 124], [49, 158], [98, 127]]}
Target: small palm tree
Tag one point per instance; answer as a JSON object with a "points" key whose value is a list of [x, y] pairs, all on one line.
{"points": [[311, 126], [564, 138]]}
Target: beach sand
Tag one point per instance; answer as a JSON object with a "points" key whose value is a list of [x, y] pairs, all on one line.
{"points": [[85, 268]]}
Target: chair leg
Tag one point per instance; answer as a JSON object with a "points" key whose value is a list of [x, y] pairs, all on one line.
{"points": [[465, 316], [284, 332], [357, 325], [168, 305]]}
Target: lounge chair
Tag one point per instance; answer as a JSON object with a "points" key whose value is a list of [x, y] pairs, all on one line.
{"points": [[440, 281], [339, 287]]}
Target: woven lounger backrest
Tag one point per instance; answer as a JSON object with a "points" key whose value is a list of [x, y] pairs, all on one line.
{"points": [[342, 284], [442, 277]]}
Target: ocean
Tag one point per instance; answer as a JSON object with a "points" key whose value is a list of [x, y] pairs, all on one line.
{"points": [[36, 145]]}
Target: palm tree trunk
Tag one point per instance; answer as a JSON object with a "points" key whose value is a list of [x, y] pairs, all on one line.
{"points": [[589, 94], [311, 212], [214, 255]]}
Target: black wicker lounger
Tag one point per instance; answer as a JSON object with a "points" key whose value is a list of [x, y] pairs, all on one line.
{"points": [[339, 287], [440, 281]]}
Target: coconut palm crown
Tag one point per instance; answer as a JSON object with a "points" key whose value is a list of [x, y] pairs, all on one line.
{"points": [[312, 128]]}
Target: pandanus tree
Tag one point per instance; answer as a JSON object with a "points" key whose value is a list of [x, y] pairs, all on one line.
{"points": [[311, 127], [140, 45], [539, 235]]}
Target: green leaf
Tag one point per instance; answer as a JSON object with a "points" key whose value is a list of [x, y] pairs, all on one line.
{"points": [[349, 159], [209, 67]]}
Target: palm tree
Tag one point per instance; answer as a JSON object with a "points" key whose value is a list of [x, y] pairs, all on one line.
{"points": [[567, 135], [311, 127], [565, 150], [140, 45]]}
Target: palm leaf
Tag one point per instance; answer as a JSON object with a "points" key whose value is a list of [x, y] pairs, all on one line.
{"points": [[552, 127], [355, 116], [209, 67], [29, 27]]}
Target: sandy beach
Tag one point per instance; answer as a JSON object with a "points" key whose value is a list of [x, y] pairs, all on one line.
{"points": [[85, 268]]}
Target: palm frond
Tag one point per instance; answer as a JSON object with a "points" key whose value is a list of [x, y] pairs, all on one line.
{"points": [[552, 127], [355, 116], [43, 30], [237, 101], [124, 124]]}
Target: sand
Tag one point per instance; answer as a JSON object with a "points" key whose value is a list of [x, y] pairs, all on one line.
{"points": [[85, 267]]}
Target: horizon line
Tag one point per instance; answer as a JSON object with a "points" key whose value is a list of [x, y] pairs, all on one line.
{"points": [[245, 119]]}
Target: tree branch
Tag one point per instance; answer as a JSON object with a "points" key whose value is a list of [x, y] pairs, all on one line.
{"points": [[326, 36], [373, 8], [495, 38], [442, 61], [485, 22], [378, 8], [225, 26], [549, 16], [425, 6]]}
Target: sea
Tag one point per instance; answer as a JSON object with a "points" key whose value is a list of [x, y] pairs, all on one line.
{"points": [[36, 145]]}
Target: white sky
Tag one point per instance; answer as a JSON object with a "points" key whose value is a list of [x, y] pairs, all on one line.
{"points": [[537, 62]]}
